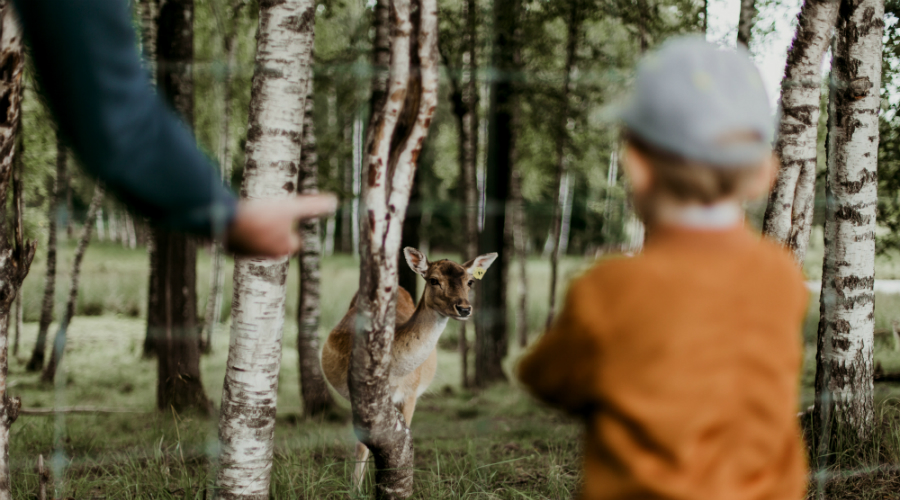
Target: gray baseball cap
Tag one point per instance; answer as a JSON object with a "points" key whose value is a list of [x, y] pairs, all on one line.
{"points": [[693, 99]]}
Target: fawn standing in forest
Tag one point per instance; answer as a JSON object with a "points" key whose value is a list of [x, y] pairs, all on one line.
{"points": [[417, 329]]}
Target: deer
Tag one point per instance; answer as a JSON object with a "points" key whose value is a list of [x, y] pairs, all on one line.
{"points": [[414, 357]]}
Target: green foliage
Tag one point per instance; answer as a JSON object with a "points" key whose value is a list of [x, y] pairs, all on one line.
{"points": [[888, 178]]}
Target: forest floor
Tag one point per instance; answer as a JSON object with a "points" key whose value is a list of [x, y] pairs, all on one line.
{"points": [[492, 444]]}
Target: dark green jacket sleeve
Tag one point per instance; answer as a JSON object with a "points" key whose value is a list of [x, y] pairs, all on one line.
{"points": [[90, 74]]}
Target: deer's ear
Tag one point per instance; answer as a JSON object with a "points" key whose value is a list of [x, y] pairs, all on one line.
{"points": [[416, 260], [482, 262]]}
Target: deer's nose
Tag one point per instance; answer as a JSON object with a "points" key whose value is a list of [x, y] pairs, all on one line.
{"points": [[463, 311]]}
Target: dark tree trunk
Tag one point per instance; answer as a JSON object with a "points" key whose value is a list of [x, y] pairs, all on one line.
{"points": [[313, 390], [746, 22], [36, 363], [491, 320], [175, 254], [59, 341]]}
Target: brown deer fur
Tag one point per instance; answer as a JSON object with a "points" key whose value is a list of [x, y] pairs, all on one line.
{"points": [[414, 358]]}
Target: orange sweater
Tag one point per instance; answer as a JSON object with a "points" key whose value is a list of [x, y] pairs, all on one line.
{"points": [[684, 362]]}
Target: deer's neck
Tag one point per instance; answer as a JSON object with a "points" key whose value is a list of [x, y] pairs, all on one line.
{"points": [[416, 339]]}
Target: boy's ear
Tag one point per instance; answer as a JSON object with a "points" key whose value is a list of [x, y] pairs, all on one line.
{"points": [[762, 183], [637, 169], [416, 260], [481, 262]]}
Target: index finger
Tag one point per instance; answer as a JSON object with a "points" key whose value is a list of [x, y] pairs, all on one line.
{"points": [[314, 205]]}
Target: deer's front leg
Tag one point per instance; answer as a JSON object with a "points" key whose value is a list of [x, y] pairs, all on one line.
{"points": [[361, 458]]}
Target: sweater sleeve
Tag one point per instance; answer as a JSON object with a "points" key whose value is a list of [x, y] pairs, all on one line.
{"points": [[561, 368], [90, 75]]}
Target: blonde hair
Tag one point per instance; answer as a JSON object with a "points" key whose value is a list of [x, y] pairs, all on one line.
{"points": [[688, 180]]}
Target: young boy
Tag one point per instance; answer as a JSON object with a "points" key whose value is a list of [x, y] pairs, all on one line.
{"points": [[684, 361]]}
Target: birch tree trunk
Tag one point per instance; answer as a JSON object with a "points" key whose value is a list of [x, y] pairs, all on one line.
{"points": [[573, 26], [789, 211], [59, 342], [36, 363], [397, 129], [519, 243], [313, 389], [746, 16], [844, 375], [213, 315], [491, 322], [15, 254], [274, 139], [101, 234]]}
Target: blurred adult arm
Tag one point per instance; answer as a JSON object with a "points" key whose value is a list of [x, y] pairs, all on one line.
{"points": [[90, 75]]}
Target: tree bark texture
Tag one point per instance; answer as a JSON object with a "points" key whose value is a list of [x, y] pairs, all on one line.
{"points": [[59, 341], [213, 315], [15, 254], [844, 375], [176, 345], [573, 28], [789, 211], [491, 321], [36, 363], [746, 16], [397, 129], [148, 11], [173, 318], [273, 149], [313, 389]]}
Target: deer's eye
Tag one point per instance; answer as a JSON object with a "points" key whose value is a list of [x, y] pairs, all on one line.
{"points": [[471, 283], [433, 282]]}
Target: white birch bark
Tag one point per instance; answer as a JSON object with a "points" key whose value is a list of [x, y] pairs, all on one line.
{"points": [[15, 255], [844, 378], [247, 416], [385, 196], [101, 234], [357, 173], [59, 341], [789, 210], [130, 232]]}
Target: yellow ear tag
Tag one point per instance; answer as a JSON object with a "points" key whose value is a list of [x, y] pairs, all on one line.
{"points": [[478, 273]]}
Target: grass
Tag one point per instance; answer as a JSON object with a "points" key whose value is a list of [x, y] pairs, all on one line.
{"points": [[493, 444]]}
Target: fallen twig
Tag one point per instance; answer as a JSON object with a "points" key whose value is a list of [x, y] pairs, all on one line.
{"points": [[74, 409]]}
